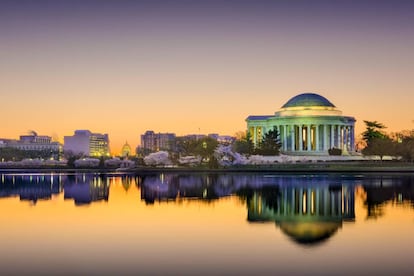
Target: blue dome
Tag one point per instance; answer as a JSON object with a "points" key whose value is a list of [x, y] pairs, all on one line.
{"points": [[308, 99]]}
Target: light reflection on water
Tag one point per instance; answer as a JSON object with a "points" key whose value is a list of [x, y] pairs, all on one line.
{"points": [[206, 223]]}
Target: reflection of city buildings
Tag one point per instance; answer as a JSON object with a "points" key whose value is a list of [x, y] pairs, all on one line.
{"points": [[169, 187], [30, 187], [84, 188], [307, 214]]}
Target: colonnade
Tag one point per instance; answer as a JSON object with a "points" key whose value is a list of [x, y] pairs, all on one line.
{"points": [[310, 137], [311, 201]]}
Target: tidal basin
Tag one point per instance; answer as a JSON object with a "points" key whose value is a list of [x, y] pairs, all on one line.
{"points": [[206, 224]]}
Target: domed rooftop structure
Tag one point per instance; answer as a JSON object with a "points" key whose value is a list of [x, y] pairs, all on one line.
{"points": [[308, 124], [309, 233], [308, 99], [126, 150]]}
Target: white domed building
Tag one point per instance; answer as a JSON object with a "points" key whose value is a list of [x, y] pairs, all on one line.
{"points": [[308, 124]]}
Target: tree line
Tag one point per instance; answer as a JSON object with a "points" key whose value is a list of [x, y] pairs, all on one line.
{"points": [[269, 144], [378, 142]]}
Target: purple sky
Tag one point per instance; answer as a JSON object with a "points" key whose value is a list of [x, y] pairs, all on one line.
{"points": [[187, 59]]}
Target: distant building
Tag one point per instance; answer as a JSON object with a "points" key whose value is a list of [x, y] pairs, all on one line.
{"points": [[87, 143], [32, 142], [223, 139], [126, 150], [152, 142]]}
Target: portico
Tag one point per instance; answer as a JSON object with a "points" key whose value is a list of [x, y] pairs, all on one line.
{"points": [[307, 124]]}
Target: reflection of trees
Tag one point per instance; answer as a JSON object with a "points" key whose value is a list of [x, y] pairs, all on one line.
{"points": [[271, 195], [169, 187], [126, 182], [382, 190]]}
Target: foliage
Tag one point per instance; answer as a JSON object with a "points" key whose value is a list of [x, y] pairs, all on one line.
{"points": [[335, 151], [406, 148], [373, 131], [381, 147], [244, 145], [270, 144], [12, 154], [203, 147], [213, 163], [378, 143], [160, 158], [71, 158]]}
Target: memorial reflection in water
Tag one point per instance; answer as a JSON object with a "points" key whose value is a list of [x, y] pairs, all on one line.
{"points": [[308, 211], [307, 208]]}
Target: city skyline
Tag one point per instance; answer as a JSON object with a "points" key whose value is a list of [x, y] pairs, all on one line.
{"points": [[124, 67]]}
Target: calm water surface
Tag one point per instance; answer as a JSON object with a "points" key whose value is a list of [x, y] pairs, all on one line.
{"points": [[239, 224]]}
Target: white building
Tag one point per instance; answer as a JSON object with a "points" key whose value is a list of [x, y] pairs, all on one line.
{"points": [[308, 124], [87, 143], [32, 142]]}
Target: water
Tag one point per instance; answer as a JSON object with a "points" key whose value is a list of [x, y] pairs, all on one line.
{"points": [[208, 224]]}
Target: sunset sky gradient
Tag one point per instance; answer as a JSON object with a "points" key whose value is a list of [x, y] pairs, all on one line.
{"points": [[124, 67]]}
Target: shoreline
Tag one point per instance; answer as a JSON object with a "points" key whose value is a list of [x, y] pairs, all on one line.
{"points": [[331, 167]]}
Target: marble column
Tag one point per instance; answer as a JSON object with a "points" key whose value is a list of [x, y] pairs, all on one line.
{"points": [[308, 201], [308, 138], [300, 138], [317, 137], [255, 136], [340, 142], [317, 201], [325, 138], [292, 203], [332, 137], [292, 137], [352, 139]]}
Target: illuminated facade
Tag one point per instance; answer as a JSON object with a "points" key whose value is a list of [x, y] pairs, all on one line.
{"points": [[32, 142], [308, 214], [152, 142], [87, 143], [308, 124], [126, 150]]}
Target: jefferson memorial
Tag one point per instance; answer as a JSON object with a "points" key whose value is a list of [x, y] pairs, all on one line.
{"points": [[308, 124]]}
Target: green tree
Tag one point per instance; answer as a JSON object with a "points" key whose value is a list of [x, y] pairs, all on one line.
{"points": [[373, 130], [378, 143], [270, 144], [380, 147], [244, 145], [406, 148], [205, 148]]}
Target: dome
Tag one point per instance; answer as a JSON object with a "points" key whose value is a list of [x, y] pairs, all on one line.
{"points": [[307, 100], [126, 150], [309, 232]]}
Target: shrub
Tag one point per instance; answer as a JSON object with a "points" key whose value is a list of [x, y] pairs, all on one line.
{"points": [[335, 151]]}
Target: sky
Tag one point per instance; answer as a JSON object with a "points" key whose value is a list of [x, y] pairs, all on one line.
{"points": [[198, 67]]}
